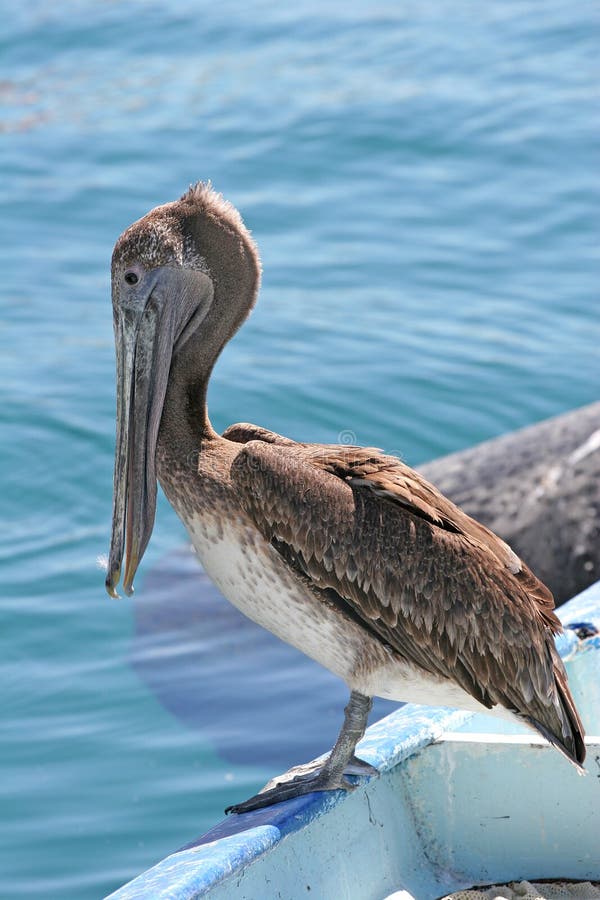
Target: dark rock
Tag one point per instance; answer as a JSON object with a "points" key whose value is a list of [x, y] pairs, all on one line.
{"points": [[539, 489]]}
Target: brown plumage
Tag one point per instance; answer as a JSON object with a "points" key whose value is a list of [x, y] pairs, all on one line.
{"points": [[345, 552], [444, 592]]}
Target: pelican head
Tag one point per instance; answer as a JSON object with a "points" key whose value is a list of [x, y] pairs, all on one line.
{"points": [[184, 277]]}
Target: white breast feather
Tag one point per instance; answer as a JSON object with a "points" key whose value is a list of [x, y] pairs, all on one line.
{"points": [[252, 576]]}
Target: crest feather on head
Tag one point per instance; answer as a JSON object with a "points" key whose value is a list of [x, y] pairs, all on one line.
{"points": [[203, 195]]}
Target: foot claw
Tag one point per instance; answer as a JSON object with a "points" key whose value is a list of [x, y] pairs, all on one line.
{"points": [[358, 766]]}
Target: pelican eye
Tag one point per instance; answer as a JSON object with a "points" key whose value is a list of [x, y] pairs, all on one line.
{"points": [[131, 278]]}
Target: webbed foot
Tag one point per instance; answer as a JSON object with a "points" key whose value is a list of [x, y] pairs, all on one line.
{"points": [[304, 780], [318, 775]]}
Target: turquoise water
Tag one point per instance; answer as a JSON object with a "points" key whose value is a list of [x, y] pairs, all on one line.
{"points": [[422, 180]]}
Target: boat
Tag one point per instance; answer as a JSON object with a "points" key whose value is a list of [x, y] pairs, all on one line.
{"points": [[461, 799]]}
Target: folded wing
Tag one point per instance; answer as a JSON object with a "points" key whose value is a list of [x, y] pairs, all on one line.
{"points": [[441, 590]]}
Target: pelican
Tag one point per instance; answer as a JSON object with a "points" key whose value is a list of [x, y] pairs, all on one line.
{"points": [[344, 552]]}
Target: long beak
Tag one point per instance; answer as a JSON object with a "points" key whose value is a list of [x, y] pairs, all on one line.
{"points": [[147, 333], [144, 344]]}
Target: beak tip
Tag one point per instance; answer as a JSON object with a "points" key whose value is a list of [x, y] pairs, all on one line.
{"points": [[130, 570], [111, 582]]}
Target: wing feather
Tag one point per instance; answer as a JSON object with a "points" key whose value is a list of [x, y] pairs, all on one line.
{"points": [[445, 593]]}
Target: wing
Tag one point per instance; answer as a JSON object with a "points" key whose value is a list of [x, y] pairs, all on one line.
{"points": [[243, 432], [445, 593], [389, 478]]}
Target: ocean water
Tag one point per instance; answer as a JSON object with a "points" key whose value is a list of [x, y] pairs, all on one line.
{"points": [[422, 180]]}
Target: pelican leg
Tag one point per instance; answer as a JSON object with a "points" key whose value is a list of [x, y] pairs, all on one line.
{"points": [[328, 776]]}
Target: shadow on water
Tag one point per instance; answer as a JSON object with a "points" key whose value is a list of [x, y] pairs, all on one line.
{"points": [[198, 655]]}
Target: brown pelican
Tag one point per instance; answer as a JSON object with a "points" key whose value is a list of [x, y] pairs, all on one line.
{"points": [[343, 552]]}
